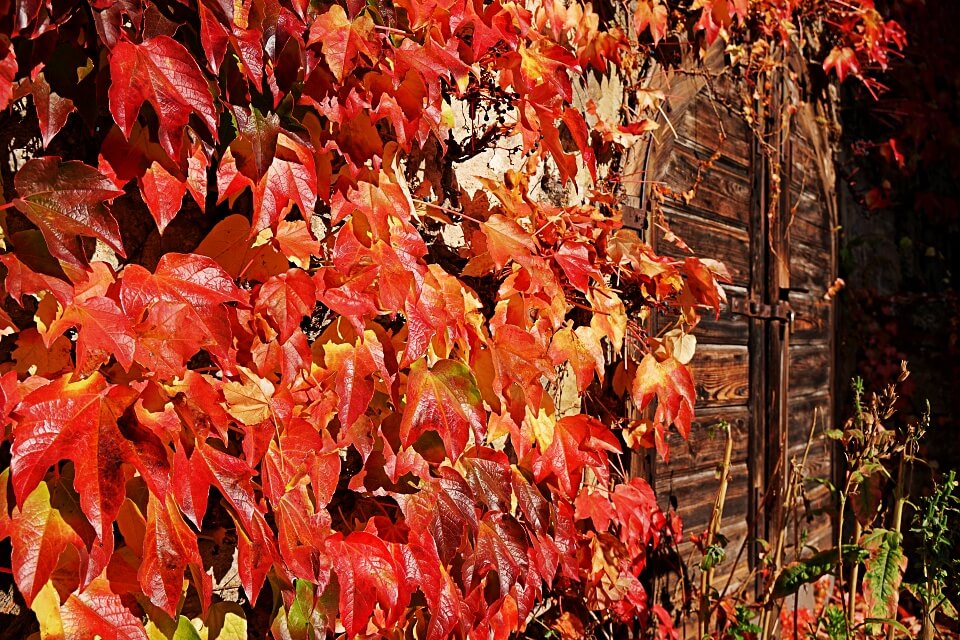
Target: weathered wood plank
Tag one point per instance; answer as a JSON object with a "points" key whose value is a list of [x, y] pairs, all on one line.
{"points": [[810, 369], [694, 494], [730, 245], [811, 318], [802, 410], [809, 220], [722, 375], [724, 189], [705, 447], [727, 329], [810, 268], [706, 121]]}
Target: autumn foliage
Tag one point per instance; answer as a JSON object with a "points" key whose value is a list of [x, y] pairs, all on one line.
{"points": [[246, 304]]}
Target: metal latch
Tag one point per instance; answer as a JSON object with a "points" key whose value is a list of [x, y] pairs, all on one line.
{"points": [[755, 309]]}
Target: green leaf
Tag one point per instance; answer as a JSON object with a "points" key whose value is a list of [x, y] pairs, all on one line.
{"points": [[185, 630], [163, 628], [234, 627], [713, 556], [797, 574], [871, 623], [298, 618], [883, 572], [835, 622]]}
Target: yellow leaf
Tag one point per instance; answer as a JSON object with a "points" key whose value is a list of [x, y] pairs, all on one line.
{"points": [[249, 401], [543, 427], [47, 607], [680, 345]]}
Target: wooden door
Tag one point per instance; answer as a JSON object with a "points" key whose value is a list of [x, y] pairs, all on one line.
{"points": [[765, 365]]}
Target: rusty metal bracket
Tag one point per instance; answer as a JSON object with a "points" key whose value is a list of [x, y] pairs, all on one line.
{"points": [[780, 311]]}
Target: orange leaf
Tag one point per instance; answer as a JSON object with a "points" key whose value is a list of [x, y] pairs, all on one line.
{"points": [[673, 387]]}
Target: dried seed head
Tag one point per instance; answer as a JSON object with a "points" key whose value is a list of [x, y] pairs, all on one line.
{"points": [[904, 372]]}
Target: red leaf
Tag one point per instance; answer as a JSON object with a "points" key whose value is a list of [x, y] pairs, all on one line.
{"points": [[75, 420], [215, 36], [445, 399], [169, 546], [197, 283], [432, 62], [506, 240], [97, 611], [342, 39], [578, 441], [702, 283], [66, 200], [198, 159], [104, 331], [191, 488], [638, 513], [501, 547], [291, 178], [577, 127], [256, 144], [9, 396], [533, 506], [162, 72], [231, 476], [487, 471], [52, 109], [169, 335], [286, 300], [566, 162], [447, 613], [255, 557], [163, 194], [8, 71], [520, 358], [296, 243], [843, 61], [39, 535], [652, 14], [368, 575], [582, 349], [444, 507], [195, 280], [597, 507], [353, 385], [230, 244], [301, 532], [574, 259]]}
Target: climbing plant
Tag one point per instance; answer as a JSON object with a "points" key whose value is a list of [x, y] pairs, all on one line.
{"points": [[247, 305]]}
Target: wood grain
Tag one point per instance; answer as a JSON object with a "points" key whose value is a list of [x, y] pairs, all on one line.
{"points": [[811, 318], [810, 369], [722, 375], [709, 238], [705, 447]]}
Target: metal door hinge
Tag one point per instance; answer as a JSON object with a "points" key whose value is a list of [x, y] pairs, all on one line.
{"points": [[755, 309]]}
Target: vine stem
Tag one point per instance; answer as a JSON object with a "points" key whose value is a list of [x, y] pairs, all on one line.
{"points": [[900, 498], [794, 486], [706, 575], [854, 577]]}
